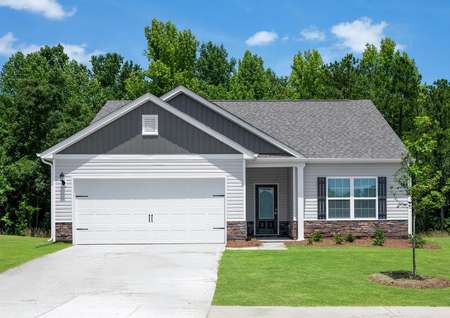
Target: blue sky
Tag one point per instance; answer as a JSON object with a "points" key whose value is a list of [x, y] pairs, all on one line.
{"points": [[276, 30]]}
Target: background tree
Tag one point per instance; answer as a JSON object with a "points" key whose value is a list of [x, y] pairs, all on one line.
{"points": [[171, 55], [308, 75]]}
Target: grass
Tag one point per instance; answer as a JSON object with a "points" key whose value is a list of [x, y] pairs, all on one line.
{"points": [[16, 250], [333, 276]]}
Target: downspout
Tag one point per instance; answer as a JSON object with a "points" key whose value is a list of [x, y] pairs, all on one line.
{"points": [[52, 225]]}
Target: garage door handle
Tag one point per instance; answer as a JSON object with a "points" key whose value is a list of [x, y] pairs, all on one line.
{"points": [[82, 229], [218, 228], [218, 195]]}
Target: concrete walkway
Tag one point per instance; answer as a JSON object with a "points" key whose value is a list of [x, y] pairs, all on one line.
{"points": [[328, 312], [114, 281]]}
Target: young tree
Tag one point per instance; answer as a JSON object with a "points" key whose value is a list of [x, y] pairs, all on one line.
{"points": [[419, 178]]}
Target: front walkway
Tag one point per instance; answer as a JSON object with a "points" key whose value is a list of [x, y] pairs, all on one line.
{"points": [[328, 312], [114, 281]]}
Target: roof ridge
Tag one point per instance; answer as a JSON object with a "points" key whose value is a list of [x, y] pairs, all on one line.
{"points": [[287, 100]]}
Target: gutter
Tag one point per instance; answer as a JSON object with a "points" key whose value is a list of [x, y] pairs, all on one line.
{"points": [[50, 163]]}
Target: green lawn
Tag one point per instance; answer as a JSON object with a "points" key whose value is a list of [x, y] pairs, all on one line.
{"points": [[312, 276], [15, 250]]}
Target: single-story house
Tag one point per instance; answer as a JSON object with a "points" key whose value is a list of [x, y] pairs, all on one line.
{"points": [[182, 169]]}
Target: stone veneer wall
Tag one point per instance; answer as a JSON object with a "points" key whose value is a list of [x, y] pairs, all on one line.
{"points": [[293, 229], [63, 232], [391, 228], [236, 230]]}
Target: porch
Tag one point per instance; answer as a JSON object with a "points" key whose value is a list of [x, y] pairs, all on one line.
{"points": [[273, 199]]}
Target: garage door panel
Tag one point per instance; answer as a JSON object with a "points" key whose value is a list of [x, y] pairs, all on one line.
{"points": [[150, 211]]}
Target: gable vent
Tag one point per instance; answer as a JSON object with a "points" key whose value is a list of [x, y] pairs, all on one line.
{"points": [[150, 125]]}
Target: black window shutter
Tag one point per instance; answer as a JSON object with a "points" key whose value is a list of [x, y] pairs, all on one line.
{"points": [[321, 198], [382, 194]]}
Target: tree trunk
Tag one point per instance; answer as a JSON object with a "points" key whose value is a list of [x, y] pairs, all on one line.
{"points": [[413, 230]]}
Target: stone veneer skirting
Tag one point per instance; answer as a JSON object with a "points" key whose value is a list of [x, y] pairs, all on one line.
{"points": [[63, 232], [236, 230], [391, 228]]}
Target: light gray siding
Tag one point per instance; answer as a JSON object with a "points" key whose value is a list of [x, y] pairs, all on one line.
{"points": [[225, 126], [396, 207], [124, 136], [232, 169], [278, 176]]}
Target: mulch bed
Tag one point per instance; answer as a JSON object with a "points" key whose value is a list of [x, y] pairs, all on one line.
{"points": [[393, 243], [407, 280], [244, 243]]}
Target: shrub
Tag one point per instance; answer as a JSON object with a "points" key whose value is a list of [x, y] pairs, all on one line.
{"points": [[310, 241], [378, 238], [420, 241], [338, 238], [317, 236], [349, 238]]}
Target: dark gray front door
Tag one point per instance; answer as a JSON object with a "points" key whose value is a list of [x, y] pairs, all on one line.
{"points": [[266, 204]]}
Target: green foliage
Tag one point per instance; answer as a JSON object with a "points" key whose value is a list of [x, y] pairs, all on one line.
{"points": [[308, 75], [420, 240], [338, 238], [349, 238], [378, 238], [317, 236]]}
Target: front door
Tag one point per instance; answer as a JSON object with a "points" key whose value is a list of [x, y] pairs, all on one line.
{"points": [[266, 197]]}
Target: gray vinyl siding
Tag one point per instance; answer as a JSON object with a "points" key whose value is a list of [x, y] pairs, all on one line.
{"points": [[396, 202], [232, 169], [124, 136], [278, 176], [226, 127]]}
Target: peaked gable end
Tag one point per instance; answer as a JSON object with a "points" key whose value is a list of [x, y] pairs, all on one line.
{"points": [[124, 136], [247, 139]]}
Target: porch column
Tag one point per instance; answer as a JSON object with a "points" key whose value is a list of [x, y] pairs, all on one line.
{"points": [[300, 202]]}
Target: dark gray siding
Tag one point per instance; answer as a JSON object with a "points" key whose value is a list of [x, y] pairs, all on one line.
{"points": [[124, 136], [224, 126]]}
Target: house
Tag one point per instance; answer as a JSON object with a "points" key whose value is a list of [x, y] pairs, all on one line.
{"points": [[182, 169]]}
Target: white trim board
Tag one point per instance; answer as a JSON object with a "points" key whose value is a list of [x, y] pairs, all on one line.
{"points": [[47, 154], [181, 89]]}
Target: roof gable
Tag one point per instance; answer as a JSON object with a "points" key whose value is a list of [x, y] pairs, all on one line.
{"points": [[218, 118], [47, 154]]}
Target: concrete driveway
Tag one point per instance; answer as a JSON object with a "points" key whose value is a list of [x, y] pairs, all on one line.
{"points": [[113, 281]]}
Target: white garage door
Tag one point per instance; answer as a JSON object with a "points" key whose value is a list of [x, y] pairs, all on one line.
{"points": [[149, 211]]}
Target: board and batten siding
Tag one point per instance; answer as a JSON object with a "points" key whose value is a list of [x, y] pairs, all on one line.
{"points": [[397, 208], [231, 168]]}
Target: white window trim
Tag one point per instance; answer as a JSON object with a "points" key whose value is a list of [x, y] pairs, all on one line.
{"points": [[352, 198], [151, 133]]}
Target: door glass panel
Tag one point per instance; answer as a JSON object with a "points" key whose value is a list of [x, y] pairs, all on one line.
{"points": [[266, 203]]}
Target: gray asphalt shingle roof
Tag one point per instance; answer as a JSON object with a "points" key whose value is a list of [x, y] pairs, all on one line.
{"points": [[109, 107], [314, 128], [321, 128]]}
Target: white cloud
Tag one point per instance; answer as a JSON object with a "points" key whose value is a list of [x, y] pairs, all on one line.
{"points": [[77, 52], [51, 9], [8, 45], [313, 34], [355, 35], [261, 38]]}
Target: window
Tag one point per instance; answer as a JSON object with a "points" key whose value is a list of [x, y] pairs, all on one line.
{"points": [[150, 125], [365, 197], [352, 198], [339, 198]]}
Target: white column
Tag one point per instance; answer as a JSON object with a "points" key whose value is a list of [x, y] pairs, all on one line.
{"points": [[300, 202]]}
